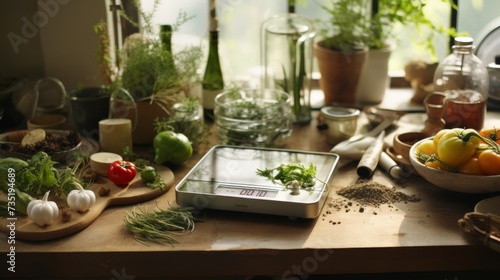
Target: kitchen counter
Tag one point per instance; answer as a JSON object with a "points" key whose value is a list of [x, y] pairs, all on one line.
{"points": [[421, 236]]}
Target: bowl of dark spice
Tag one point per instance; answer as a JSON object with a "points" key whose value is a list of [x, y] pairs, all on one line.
{"points": [[58, 144]]}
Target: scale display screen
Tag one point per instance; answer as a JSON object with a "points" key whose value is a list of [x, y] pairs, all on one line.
{"points": [[226, 178], [245, 191]]}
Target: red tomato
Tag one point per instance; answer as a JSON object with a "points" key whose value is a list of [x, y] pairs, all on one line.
{"points": [[121, 172]]}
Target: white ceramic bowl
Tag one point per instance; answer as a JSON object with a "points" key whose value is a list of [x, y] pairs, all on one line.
{"points": [[454, 181]]}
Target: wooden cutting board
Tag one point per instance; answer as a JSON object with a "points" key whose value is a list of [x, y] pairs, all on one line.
{"points": [[135, 192]]}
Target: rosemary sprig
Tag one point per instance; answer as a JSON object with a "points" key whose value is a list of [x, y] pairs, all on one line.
{"points": [[157, 226]]}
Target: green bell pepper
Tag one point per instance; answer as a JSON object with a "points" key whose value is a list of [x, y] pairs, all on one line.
{"points": [[171, 147]]}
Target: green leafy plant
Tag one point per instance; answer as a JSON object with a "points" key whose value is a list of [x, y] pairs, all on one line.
{"points": [[346, 27], [389, 13], [356, 23], [149, 70]]}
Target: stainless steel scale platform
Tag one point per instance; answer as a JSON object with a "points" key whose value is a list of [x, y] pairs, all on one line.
{"points": [[226, 179]]}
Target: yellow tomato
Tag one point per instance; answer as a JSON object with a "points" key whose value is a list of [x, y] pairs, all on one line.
{"points": [[436, 164], [489, 162], [439, 135], [491, 133], [455, 147], [471, 167], [426, 147]]}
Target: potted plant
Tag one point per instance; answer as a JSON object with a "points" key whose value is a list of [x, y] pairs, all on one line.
{"points": [[156, 77], [341, 49], [384, 16], [357, 23]]}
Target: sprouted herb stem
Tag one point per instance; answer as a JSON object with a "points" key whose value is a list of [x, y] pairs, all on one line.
{"points": [[159, 225]]}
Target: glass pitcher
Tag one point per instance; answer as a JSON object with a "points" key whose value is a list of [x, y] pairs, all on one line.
{"points": [[287, 58]]}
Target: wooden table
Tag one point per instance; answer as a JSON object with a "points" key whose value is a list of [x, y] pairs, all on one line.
{"points": [[405, 237]]}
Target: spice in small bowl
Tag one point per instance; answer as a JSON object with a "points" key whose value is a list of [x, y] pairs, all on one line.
{"points": [[402, 142]]}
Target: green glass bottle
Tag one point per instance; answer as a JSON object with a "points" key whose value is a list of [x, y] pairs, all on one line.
{"points": [[213, 82], [166, 37], [166, 44]]}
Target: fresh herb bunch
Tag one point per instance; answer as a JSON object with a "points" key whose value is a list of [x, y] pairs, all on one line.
{"points": [[285, 174], [157, 226], [149, 69], [40, 175]]}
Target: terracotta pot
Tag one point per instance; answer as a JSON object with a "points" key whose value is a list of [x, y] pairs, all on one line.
{"points": [[340, 73], [374, 80], [143, 116]]}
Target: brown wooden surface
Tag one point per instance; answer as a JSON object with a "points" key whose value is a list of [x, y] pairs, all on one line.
{"points": [[404, 237]]}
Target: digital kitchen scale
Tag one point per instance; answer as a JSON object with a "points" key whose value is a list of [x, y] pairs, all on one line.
{"points": [[226, 179]]}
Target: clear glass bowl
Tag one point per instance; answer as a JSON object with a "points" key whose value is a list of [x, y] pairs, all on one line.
{"points": [[253, 117]]}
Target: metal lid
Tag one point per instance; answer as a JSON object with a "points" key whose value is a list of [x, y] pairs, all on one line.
{"points": [[463, 41], [339, 113]]}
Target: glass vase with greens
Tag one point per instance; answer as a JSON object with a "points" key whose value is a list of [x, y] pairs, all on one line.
{"points": [[287, 57], [253, 117]]}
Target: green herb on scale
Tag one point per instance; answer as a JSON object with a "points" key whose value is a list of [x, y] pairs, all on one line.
{"points": [[285, 174]]}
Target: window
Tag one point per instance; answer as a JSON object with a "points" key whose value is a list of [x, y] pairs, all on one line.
{"points": [[239, 22]]}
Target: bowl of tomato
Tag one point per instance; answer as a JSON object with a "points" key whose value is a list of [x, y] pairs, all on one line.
{"points": [[456, 166]]}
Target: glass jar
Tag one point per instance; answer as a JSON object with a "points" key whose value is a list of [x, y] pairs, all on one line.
{"points": [[287, 59], [253, 117], [186, 115], [463, 79], [340, 123]]}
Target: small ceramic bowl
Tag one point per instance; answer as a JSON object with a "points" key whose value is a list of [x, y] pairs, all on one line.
{"points": [[403, 142]]}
